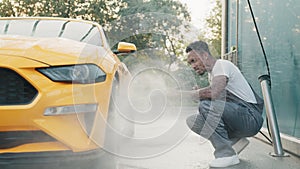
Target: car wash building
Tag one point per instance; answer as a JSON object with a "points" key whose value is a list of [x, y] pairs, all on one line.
{"points": [[263, 37]]}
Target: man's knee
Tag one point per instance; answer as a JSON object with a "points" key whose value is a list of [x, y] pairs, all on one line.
{"points": [[195, 123], [190, 121]]}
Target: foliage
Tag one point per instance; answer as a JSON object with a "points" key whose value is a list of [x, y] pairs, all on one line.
{"points": [[152, 24], [101, 11], [214, 28]]}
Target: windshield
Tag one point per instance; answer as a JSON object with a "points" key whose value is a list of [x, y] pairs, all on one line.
{"points": [[44, 28]]}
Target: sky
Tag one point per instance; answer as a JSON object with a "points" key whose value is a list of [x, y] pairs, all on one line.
{"points": [[199, 10]]}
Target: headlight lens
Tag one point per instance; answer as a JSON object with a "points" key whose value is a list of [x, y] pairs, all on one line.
{"points": [[82, 73]]}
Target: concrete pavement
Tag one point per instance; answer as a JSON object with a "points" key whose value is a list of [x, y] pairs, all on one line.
{"points": [[190, 151]]}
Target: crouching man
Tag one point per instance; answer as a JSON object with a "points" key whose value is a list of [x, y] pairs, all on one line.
{"points": [[229, 109]]}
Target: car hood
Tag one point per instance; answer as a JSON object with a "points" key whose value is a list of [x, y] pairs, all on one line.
{"points": [[54, 51]]}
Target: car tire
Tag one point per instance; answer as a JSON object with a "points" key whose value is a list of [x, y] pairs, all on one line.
{"points": [[119, 128]]}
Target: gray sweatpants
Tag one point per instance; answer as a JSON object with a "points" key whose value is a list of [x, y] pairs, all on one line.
{"points": [[223, 123]]}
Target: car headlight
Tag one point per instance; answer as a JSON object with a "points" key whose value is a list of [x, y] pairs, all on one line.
{"points": [[81, 73]]}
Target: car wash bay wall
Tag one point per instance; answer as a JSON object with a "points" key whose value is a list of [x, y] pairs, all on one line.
{"points": [[279, 27]]}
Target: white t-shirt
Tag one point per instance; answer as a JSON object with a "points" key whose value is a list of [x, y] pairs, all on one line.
{"points": [[236, 84]]}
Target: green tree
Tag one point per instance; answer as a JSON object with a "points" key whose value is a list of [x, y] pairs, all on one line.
{"points": [[152, 24], [101, 11], [214, 28]]}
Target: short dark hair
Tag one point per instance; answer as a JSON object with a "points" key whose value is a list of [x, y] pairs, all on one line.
{"points": [[199, 46]]}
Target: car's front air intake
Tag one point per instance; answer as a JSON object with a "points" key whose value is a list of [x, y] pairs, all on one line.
{"points": [[14, 89]]}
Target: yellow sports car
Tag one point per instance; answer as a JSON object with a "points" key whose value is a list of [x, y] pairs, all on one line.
{"points": [[57, 77]]}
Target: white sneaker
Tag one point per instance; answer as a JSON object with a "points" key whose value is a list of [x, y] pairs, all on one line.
{"points": [[240, 145], [225, 161]]}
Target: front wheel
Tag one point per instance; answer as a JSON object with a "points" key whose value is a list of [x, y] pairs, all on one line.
{"points": [[120, 125]]}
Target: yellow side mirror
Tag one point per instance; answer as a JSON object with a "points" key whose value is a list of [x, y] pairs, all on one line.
{"points": [[125, 47]]}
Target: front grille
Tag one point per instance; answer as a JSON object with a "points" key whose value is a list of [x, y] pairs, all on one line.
{"points": [[14, 89]]}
